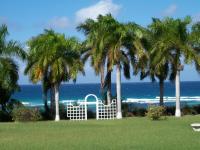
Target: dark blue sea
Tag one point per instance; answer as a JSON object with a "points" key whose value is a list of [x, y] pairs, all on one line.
{"points": [[131, 92]]}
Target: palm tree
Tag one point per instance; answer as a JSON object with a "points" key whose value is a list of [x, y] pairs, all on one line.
{"points": [[38, 59], [117, 56], [8, 80], [154, 72], [154, 69], [8, 67], [96, 48], [124, 46], [65, 66], [171, 46], [58, 58], [119, 42], [195, 42]]}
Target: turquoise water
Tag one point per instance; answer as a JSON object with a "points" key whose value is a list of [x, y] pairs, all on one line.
{"points": [[133, 92]]}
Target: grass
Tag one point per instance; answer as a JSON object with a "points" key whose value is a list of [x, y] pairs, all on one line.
{"points": [[129, 133]]}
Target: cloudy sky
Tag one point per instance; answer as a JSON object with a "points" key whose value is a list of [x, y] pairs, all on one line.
{"points": [[27, 18]]}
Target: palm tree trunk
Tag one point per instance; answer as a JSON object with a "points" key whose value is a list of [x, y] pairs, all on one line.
{"points": [[118, 86], [102, 78], [109, 88], [52, 93], [44, 95], [178, 110], [161, 92], [56, 88]]}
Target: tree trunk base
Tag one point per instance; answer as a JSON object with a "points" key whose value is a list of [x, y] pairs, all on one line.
{"points": [[57, 118], [119, 115], [178, 113]]}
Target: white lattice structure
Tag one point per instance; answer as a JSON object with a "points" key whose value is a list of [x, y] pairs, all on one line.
{"points": [[103, 112], [106, 112], [77, 112]]}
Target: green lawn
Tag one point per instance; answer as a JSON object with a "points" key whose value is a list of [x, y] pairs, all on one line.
{"points": [[132, 133]]}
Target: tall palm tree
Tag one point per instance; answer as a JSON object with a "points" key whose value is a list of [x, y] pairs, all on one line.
{"points": [[56, 57], [172, 45], [153, 68], [65, 65], [96, 48], [121, 41], [117, 56], [124, 46], [8, 80], [8, 67], [195, 41], [154, 72], [38, 59]]}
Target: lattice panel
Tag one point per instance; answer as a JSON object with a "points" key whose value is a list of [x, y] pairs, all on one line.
{"points": [[106, 112], [103, 112], [77, 112]]}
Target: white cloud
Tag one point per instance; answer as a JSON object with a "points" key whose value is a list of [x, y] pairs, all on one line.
{"points": [[170, 10], [59, 22], [103, 7]]}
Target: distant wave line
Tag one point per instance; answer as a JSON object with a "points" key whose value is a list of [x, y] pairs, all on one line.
{"points": [[128, 100], [157, 98]]}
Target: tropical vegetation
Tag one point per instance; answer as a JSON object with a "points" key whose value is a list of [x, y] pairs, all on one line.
{"points": [[173, 43], [9, 49], [158, 51], [111, 42], [53, 59]]}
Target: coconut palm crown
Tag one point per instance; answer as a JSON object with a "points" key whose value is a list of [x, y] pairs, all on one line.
{"points": [[53, 59], [8, 67]]}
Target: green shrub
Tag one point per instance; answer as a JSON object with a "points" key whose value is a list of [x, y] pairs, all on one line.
{"points": [[6, 114], [12, 104], [155, 112], [23, 114]]}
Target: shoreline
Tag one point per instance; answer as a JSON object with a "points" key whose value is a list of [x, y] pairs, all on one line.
{"points": [[188, 100]]}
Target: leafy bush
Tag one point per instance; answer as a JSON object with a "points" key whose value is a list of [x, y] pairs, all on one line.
{"points": [[13, 103], [23, 114], [155, 112], [6, 114]]}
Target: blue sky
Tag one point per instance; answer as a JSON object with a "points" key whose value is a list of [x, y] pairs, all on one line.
{"points": [[27, 18]]}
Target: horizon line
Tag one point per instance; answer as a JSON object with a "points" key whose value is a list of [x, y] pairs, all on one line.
{"points": [[114, 82]]}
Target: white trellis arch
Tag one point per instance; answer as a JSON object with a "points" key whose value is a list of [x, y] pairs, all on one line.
{"points": [[79, 111]]}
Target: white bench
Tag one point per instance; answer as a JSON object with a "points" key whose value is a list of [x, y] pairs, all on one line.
{"points": [[196, 126]]}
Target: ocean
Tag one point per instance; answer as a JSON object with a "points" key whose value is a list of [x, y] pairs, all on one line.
{"points": [[131, 92]]}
